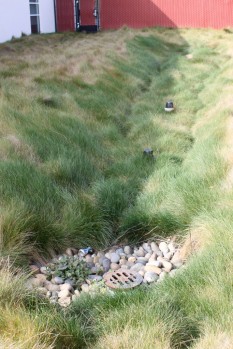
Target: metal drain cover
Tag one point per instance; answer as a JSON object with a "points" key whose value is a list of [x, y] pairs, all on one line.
{"points": [[123, 279]]}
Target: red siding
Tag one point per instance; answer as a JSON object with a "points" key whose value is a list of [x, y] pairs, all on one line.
{"points": [[166, 13], [65, 15], [86, 12]]}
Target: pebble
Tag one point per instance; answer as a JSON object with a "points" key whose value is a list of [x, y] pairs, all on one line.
{"points": [[148, 256], [176, 257], [140, 252], [64, 302], [172, 247], [127, 250], [108, 255], [77, 293], [178, 264], [119, 251], [153, 257], [155, 263], [153, 268], [123, 261], [141, 272], [168, 255], [36, 282], [42, 290], [150, 276], [64, 293], [155, 247], [146, 247], [162, 275], [58, 280], [142, 260], [106, 264], [114, 266], [96, 259], [167, 266], [173, 272], [132, 259], [70, 282], [88, 258], [94, 270], [163, 247], [124, 266], [100, 254], [65, 287], [115, 257], [137, 267], [51, 287]]}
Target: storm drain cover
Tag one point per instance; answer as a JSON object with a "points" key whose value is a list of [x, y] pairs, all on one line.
{"points": [[122, 279]]}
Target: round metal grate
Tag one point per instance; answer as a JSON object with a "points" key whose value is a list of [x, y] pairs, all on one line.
{"points": [[123, 279]]}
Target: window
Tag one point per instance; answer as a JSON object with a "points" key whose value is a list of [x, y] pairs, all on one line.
{"points": [[35, 16]]}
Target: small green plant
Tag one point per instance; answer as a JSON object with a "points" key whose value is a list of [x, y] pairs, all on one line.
{"points": [[70, 268]]}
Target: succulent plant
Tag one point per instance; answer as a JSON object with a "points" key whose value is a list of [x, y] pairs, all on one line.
{"points": [[69, 268]]}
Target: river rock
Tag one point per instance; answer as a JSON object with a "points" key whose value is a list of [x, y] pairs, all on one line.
{"points": [[70, 282], [64, 293], [141, 272], [35, 282], [123, 261], [51, 287], [114, 266], [132, 259], [41, 277], [146, 247], [140, 252], [154, 247], [167, 266], [119, 250], [163, 247], [162, 275], [178, 264], [155, 263], [124, 266], [64, 302], [148, 256], [108, 255], [44, 270], [153, 268], [176, 257], [150, 276], [66, 287], [142, 260], [115, 257], [172, 247], [96, 259], [42, 290], [137, 267], [168, 256], [127, 250], [100, 254], [89, 258], [57, 280], [153, 257], [106, 264]]}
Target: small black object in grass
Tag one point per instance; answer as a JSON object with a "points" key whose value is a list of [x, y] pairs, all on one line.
{"points": [[148, 152], [169, 106]]}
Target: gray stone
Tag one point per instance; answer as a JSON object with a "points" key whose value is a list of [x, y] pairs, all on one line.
{"points": [[106, 264], [108, 255], [154, 247], [137, 267], [146, 247], [58, 280], [100, 254], [119, 250], [153, 257], [168, 256], [148, 256], [115, 257], [94, 270], [162, 275], [88, 258], [41, 277], [153, 268], [70, 282], [124, 266], [123, 261], [127, 250], [150, 276], [178, 264], [155, 263]]}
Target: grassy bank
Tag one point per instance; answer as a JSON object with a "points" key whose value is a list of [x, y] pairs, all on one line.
{"points": [[76, 113]]}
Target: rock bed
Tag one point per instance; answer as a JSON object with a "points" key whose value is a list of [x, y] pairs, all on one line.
{"points": [[152, 260]]}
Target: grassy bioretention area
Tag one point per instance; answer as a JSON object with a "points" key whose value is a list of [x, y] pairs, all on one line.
{"points": [[76, 112]]}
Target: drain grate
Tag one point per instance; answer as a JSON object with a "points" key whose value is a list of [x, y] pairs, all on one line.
{"points": [[123, 279]]}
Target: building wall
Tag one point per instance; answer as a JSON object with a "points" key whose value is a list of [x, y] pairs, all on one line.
{"points": [[14, 19], [166, 13], [65, 15], [47, 16]]}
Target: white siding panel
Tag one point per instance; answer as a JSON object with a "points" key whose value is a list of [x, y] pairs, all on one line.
{"points": [[14, 19], [47, 16]]}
